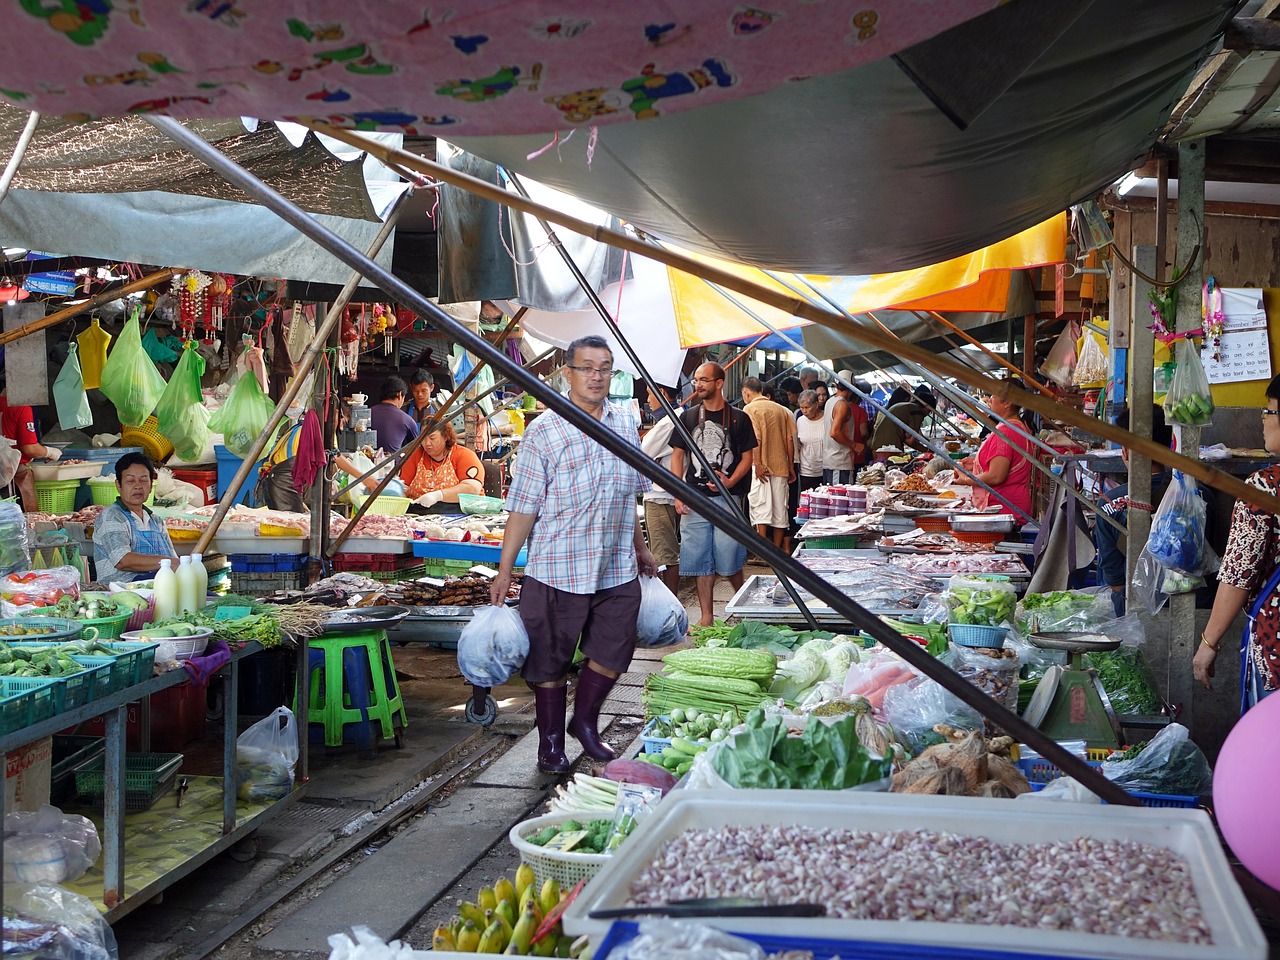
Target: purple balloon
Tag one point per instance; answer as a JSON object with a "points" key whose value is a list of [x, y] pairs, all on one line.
{"points": [[1246, 782]]}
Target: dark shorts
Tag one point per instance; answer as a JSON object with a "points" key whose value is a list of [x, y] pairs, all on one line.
{"points": [[555, 621]]}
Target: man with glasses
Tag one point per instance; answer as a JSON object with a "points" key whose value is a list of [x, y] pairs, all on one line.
{"points": [[728, 441], [575, 504]]}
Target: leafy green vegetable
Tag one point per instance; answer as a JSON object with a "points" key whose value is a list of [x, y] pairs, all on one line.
{"points": [[708, 636], [985, 606], [1125, 678], [824, 757]]}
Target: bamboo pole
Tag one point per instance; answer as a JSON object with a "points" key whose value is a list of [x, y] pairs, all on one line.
{"points": [[1004, 362], [1005, 389], [314, 349], [150, 280], [404, 452]]}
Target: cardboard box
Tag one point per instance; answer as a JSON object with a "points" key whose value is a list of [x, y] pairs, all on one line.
{"points": [[27, 775]]}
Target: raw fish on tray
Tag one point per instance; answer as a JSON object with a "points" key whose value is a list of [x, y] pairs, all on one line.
{"points": [[878, 587]]}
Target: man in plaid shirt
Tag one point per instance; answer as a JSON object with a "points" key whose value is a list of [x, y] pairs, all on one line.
{"points": [[575, 504]]}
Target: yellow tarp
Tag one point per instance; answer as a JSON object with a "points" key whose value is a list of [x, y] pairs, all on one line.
{"points": [[978, 281]]}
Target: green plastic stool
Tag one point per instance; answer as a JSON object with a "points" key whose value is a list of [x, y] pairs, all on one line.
{"points": [[353, 682]]}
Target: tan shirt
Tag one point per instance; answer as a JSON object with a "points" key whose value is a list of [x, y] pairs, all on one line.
{"points": [[775, 428]]}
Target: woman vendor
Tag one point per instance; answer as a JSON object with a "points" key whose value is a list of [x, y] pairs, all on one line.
{"points": [[129, 541], [1250, 574], [441, 469], [999, 465]]}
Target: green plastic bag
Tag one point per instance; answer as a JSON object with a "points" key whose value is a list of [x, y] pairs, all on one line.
{"points": [[130, 380], [69, 397], [164, 349], [181, 412], [244, 416]]}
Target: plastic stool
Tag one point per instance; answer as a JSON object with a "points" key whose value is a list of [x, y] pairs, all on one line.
{"points": [[346, 687]]}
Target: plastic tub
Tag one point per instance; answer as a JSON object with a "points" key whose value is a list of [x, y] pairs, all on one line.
{"points": [[1188, 833], [975, 523]]}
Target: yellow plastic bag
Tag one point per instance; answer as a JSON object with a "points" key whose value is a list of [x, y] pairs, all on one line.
{"points": [[93, 345]]}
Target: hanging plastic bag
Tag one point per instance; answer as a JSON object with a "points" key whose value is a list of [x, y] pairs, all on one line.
{"points": [[130, 380], [663, 619], [48, 846], [1060, 365], [1091, 365], [492, 647], [1188, 401], [1177, 539], [52, 923], [181, 412], [10, 460], [93, 354], [244, 415], [161, 349], [265, 757], [69, 398]]}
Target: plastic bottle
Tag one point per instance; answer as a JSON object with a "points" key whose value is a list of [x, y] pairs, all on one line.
{"points": [[188, 584], [166, 590], [202, 588]]}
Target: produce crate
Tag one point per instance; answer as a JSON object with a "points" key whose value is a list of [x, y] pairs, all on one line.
{"points": [[57, 496], [934, 524], [384, 505], [24, 701], [376, 562], [148, 776], [374, 545], [257, 584], [267, 563], [456, 550], [134, 660], [1041, 772], [68, 754], [446, 568], [88, 685], [565, 868], [851, 542], [395, 576], [654, 744]]}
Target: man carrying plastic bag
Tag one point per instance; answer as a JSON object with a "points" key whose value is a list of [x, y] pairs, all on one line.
{"points": [[575, 504]]}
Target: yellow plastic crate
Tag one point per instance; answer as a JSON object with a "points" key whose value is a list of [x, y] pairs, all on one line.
{"points": [[386, 506]]}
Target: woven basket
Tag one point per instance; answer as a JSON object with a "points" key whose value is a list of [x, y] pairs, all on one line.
{"points": [[565, 868], [150, 439]]}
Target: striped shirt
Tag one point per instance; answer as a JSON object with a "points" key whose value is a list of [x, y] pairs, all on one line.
{"points": [[584, 498]]}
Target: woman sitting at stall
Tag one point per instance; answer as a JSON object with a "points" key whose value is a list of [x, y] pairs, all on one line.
{"points": [[441, 469], [129, 541], [1250, 574], [999, 465]]}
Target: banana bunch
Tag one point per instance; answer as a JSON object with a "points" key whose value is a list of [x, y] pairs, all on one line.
{"points": [[506, 917]]}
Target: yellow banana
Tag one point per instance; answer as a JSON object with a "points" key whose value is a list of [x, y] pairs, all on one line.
{"points": [[506, 909], [507, 927], [546, 947], [494, 939], [549, 895], [522, 933], [486, 898], [468, 938], [505, 891], [442, 939], [524, 879], [511, 951], [470, 911], [530, 895]]}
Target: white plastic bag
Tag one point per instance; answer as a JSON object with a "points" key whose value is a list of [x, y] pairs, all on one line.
{"points": [[663, 619], [265, 757], [492, 647], [48, 846], [10, 459], [55, 924]]}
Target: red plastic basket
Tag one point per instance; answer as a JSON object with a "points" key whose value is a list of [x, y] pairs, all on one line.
{"points": [[979, 536], [934, 524]]}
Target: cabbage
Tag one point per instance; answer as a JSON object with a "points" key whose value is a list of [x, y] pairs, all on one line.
{"points": [[795, 676], [814, 648], [838, 660]]}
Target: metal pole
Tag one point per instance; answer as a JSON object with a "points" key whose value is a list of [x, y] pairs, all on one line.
{"points": [[908, 650], [691, 447], [314, 348], [19, 151]]}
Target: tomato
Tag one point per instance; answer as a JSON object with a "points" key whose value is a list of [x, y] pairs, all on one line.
{"points": [[57, 595], [39, 602], [20, 599]]}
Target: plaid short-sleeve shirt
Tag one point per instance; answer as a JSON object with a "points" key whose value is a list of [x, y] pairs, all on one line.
{"points": [[583, 539]]}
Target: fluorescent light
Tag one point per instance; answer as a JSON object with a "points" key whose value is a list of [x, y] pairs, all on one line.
{"points": [[1130, 182]]}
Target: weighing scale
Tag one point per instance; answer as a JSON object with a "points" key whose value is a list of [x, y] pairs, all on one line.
{"points": [[1070, 703]]}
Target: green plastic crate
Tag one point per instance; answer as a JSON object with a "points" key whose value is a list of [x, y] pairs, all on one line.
{"points": [[24, 701], [147, 776]]}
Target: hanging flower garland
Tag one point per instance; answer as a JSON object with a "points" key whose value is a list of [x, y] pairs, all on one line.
{"points": [[1164, 312], [1214, 319]]}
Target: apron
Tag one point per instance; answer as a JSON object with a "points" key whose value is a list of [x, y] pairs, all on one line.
{"points": [[145, 541], [1251, 682]]}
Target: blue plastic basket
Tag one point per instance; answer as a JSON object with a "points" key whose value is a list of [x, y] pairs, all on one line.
{"points": [[1040, 772], [267, 563], [975, 635], [654, 744]]}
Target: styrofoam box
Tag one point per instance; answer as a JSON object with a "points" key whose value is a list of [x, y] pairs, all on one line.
{"points": [[261, 545], [387, 545], [1189, 833]]}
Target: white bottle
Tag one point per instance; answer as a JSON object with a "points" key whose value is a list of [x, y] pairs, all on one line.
{"points": [[166, 590], [202, 587], [188, 584]]}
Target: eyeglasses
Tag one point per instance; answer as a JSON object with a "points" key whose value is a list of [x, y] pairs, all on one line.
{"points": [[706, 380], [590, 372]]}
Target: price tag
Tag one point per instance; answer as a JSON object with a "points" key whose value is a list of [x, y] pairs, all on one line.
{"points": [[564, 842]]}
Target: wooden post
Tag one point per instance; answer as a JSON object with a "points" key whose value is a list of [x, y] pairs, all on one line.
{"points": [[1142, 354], [1183, 634], [1028, 346]]}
